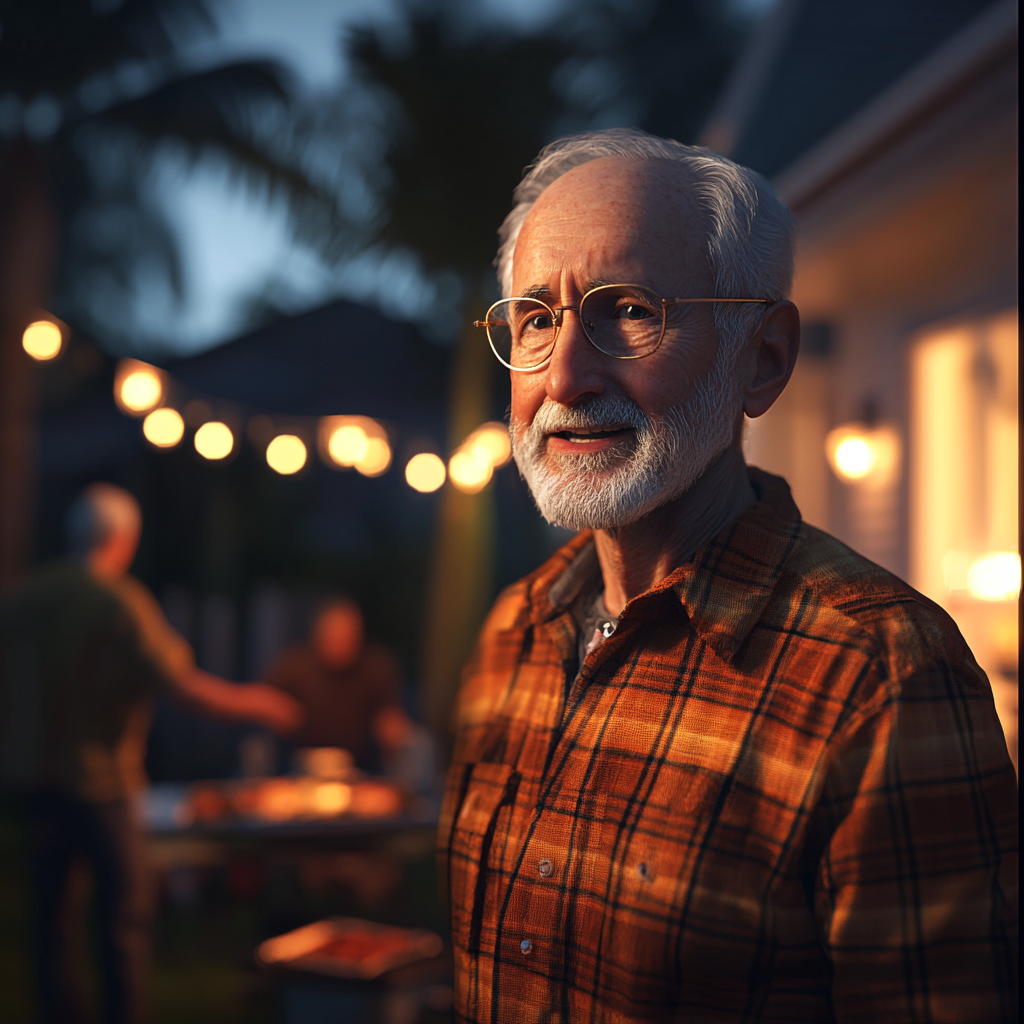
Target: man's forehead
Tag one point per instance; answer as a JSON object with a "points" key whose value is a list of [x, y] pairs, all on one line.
{"points": [[612, 213]]}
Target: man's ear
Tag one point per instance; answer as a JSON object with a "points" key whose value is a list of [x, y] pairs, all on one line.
{"points": [[771, 357]]}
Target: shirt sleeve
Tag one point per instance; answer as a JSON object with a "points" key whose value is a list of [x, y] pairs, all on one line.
{"points": [[916, 890], [164, 647]]}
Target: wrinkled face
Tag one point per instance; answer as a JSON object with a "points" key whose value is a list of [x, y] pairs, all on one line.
{"points": [[603, 441], [338, 636]]}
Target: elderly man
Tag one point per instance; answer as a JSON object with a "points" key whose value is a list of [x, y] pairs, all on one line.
{"points": [[710, 764], [83, 649]]}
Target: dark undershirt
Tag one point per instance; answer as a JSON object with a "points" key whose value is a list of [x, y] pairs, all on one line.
{"points": [[594, 624]]}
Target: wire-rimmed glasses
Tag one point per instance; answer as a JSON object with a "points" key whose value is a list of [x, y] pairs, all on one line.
{"points": [[625, 321]]}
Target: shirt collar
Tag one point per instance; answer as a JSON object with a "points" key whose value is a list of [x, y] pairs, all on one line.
{"points": [[724, 588]]}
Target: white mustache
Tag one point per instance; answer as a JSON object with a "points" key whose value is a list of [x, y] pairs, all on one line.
{"points": [[598, 412]]}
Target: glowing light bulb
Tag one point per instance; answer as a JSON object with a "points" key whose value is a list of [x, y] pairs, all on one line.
{"points": [[470, 470], [493, 440], [995, 576], [42, 340], [376, 459], [141, 390], [163, 428], [854, 458], [348, 445], [425, 472], [214, 440], [286, 454]]}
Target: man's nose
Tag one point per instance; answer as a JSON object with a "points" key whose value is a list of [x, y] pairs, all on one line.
{"points": [[574, 368]]}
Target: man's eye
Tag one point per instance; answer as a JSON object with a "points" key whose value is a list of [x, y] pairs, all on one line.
{"points": [[542, 322], [632, 312]]}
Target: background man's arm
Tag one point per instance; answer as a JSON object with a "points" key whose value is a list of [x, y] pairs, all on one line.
{"points": [[249, 702]]}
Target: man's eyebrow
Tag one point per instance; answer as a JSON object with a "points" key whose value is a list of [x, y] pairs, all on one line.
{"points": [[540, 290]]}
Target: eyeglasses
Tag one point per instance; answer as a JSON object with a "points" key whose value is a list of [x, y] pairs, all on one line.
{"points": [[625, 321]]}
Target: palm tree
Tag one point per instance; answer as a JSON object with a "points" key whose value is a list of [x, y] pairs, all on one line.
{"points": [[93, 93], [468, 111]]}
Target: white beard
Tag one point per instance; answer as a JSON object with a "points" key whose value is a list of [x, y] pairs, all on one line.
{"points": [[605, 490]]}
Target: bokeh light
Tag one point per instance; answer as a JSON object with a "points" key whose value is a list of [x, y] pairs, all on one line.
{"points": [[42, 340], [330, 798], [163, 428], [286, 454], [376, 459], [425, 472], [861, 453], [492, 438], [214, 440], [995, 576], [470, 469], [140, 390], [854, 458], [348, 444]]}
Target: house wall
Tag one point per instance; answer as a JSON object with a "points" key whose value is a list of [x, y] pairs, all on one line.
{"points": [[922, 233]]}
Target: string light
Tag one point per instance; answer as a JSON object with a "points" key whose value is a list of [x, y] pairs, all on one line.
{"points": [[286, 454], [492, 439], [138, 387], [470, 470], [214, 440], [42, 340], [163, 428], [376, 459], [348, 442], [425, 472]]}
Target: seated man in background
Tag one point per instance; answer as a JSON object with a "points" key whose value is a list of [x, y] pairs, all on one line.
{"points": [[348, 685], [84, 647]]}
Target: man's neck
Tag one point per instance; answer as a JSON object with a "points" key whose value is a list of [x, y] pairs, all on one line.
{"points": [[634, 558]]}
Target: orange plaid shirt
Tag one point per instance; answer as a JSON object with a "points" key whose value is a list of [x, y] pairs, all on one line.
{"points": [[778, 792]]}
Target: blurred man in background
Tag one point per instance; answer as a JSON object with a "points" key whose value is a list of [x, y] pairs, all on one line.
{"points": [[349, 686], [84, 647]]}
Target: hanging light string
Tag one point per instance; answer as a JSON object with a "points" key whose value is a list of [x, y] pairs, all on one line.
{"points": [[168, 410]]}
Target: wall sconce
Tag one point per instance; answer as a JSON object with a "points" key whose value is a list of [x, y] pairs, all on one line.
{"points": [[859, 453]]}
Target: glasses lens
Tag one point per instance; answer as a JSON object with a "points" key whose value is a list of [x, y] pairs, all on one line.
{"points": [[623, 320], [521, 331]]}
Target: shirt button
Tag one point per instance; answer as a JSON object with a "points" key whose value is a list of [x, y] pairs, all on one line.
{"points": [[526, 945], [544, 868], [641, 870]]}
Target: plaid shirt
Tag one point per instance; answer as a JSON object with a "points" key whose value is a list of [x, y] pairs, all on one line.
{"points": [[779, 791]]}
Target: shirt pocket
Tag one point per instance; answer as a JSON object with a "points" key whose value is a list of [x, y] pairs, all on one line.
{"points": [[490, 787]]}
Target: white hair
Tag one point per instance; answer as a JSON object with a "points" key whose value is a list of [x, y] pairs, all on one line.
{"points": [[750, 230], [99, 512]]}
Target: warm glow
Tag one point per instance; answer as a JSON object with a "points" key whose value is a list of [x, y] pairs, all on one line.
{"points": [[995, 576], [425, 472], [348, 445], [42, 340], [140, 390], [470, 470], [163, 427], [331, 798], [286, 454], [854, 458], [493, 440], [376, 459], [214, 440]]}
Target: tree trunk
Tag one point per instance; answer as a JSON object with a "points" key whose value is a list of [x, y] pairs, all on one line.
{"points": [[27, 245]]}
